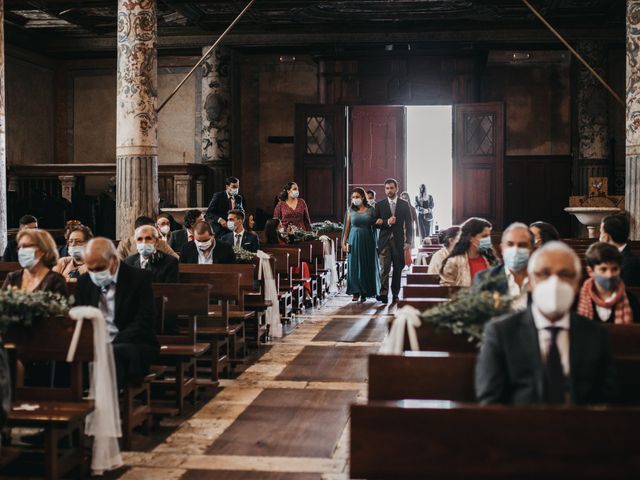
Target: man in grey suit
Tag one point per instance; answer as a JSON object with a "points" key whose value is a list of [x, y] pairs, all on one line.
{"points": [[546, 354]]}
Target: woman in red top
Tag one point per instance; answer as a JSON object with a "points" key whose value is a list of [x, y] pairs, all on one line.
{"points": [[471, 254], [292, 210]]}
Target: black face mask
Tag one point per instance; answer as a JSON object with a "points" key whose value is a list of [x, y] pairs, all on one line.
{"points": [[608, 283]]}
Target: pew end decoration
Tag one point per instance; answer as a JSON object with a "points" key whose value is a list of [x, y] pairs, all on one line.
{"points": [[466, 314], [26, 308], [244, 256]]}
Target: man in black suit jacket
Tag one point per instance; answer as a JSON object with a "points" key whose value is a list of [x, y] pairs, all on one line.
{"points": [[164, 268], [546, 354], [237, 235], [179, 238], [125, 296], [221, 203], [393, 218], [204, 249], [11, 251], [615, 230]]}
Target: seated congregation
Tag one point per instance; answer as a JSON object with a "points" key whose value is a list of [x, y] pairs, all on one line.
{"points": [[538, 336], [178, 309]]}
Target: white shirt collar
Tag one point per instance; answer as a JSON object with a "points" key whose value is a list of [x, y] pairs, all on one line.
{"points": [[543, 322], [622, 247]]}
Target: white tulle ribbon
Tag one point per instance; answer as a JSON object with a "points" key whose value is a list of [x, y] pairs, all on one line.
{"points": [[270, 293], [406, 319], [328, 247], [104, 422]]}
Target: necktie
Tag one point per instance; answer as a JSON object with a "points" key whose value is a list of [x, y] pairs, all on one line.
{"points": [[230, 203], [555, 381], [238, 237], [393, 207]]}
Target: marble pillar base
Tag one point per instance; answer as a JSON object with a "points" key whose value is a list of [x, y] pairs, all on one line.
{"points": [[137, 193]]}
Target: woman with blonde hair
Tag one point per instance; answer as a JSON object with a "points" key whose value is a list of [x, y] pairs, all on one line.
{"points": [[37, 255]]}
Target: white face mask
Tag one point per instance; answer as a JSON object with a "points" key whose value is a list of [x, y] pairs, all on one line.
{"points": [[281, 230], [204, 246], [77, 252], [234, 191], [295, 193], [357, 202], [164, 229], [231, 225], [553, 297]]}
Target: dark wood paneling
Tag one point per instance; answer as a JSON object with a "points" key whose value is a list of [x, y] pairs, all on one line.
{"points": [[478, 163], [538, 188], [320, 168], [378, 146]]}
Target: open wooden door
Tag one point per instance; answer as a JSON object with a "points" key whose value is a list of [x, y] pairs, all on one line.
{"points": [[320, 162], [378, 147], [478, 162]]}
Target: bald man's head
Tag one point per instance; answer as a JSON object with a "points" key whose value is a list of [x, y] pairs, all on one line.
{"points": [[101, 254]]}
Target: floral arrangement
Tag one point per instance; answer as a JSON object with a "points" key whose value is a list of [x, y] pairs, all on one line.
{"points": [[326, 227], [296, 235], [468, 311], [25, 308], [243, 256]]}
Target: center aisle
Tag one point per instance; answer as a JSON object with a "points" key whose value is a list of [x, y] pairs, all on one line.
{"points": [[286, 416]]}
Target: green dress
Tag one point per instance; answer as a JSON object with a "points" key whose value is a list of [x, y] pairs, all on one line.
{"points": [[363, 277]]}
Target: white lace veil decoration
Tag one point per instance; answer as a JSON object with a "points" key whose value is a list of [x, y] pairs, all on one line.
{"points": [[328, 247], [406, 319], [270, 293], [104, 422]]}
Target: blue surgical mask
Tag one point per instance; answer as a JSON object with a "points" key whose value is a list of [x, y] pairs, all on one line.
{"points": [[77, 252], [295, 193], [231, 225], [146, 249], [101, 279], [27, 257], [516, 259], [485, 243], [608, 283]]}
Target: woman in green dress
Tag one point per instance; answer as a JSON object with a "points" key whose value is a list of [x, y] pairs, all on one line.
{"points": [[363, 278]]}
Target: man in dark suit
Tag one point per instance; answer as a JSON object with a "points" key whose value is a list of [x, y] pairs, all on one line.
{"points": [[221, 203], [179, 238], [237, 235], [11, 251], [546, 354], [393, 218], [510, 278], [125, 297], [163, 268], [204, 249], [615, 229]]}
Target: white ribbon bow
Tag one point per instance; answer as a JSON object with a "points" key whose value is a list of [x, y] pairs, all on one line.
{"points": [[270, 293], [407, 318]]}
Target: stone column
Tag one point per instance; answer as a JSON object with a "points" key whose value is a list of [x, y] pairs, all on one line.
{"points": [[592, 118], [632, 180], [137, 120], [182, 190], [3, 151], [216, 106]]}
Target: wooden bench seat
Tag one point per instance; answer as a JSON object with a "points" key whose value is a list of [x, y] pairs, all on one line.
{"points": [[423, 279], [428, 291], [422, 304], [52, 411]]}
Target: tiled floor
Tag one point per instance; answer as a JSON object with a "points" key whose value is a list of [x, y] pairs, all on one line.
{"points": [[286, 416]]}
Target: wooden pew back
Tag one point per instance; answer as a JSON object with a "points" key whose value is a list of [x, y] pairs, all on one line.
{"points": [[428, 291], [423, 279], [186, 299], [248, 272], [443, 440]]}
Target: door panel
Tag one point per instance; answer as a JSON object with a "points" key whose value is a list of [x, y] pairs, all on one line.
{"points": [[320, 159], [478, 162], [377, 147]]}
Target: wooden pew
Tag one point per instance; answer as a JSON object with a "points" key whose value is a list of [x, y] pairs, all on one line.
{"points": [[416, 439], [422, 304], [419, 268], [625, 339], [291, 258], [224, 288], [60, 411], [180, 351], [449, 376], [433, 339], [423, 279], [285, 291], [253, 319], [428, 291], [297, 255], [6, 268]]}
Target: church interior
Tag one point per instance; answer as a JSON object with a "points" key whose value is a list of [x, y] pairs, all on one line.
{"points": [[286, 364]]}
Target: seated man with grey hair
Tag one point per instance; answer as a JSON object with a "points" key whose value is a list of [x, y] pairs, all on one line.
{"points": [[124, 295], [546, 354], [163, 267], [510, 277]]}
